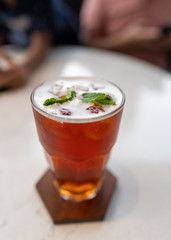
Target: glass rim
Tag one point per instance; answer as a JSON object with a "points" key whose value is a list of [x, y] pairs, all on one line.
{"points": [[78, 120]]}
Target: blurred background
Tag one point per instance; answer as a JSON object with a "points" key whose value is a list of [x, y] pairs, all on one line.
{"points": [[34, 39], [138, 28]]}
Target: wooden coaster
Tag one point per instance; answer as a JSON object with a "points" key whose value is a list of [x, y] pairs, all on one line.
{"points": [[65, 211]]}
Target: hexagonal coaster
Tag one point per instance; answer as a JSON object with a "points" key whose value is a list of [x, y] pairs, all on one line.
{"points": [[65, 211]]}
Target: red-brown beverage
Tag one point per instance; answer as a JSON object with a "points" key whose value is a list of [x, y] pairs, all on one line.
{"points": [[78, 149]]}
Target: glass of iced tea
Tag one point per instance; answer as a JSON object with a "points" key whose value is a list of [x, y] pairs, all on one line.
{"points": [[77, 120]]}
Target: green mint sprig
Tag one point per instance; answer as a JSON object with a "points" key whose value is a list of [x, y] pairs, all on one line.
{"points": [[98, 98], [70, 95]]}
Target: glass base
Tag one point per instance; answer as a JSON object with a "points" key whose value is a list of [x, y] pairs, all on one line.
{"points": [[62, 211], [78, 193]]}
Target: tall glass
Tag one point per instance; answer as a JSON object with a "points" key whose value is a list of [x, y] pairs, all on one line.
{"points": [[77, 149]]}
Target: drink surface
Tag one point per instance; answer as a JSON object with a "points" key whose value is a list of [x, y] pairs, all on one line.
{"points": [[76, 109]]}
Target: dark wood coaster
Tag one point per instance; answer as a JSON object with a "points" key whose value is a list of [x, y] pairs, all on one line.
{"points": [[65, 211]]}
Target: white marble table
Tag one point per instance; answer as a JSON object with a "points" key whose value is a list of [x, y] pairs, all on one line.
{"points": [[141, 159]]}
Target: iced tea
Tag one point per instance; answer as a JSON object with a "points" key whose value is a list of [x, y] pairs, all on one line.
{"points": [[77, 136]]}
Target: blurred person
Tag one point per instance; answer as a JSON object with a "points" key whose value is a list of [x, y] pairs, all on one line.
{"points": [[132, 27], [34, 25]]}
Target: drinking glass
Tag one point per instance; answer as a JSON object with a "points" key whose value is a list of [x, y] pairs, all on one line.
{"points": [[78, 149]]}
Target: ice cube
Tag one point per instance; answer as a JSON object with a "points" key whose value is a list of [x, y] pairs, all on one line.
{"points": [[80, 87], [55, 90]]}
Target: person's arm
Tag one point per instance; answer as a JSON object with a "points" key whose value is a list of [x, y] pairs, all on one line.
{"points": [[17, 75], [93, 25], [40, 44], [136, 35]]}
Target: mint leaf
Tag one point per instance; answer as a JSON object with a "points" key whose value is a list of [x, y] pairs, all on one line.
{"points": [[50, 101], [101, 98], [90, 97], [70, 95]]}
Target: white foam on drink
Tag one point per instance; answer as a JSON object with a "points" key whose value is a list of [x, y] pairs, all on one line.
{"points": [[76, 107]]}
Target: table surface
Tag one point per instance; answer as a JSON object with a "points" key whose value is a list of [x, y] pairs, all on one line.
{"points": [[141, 159]]}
